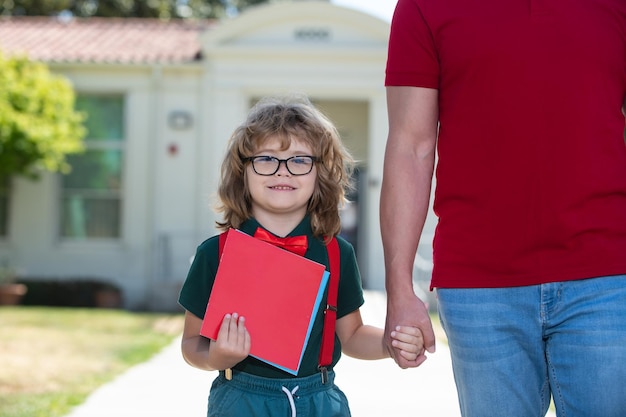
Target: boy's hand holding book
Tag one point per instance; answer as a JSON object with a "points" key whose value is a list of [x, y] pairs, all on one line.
{"points": [[232, 344]]}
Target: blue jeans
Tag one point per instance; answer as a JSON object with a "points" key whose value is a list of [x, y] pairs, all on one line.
{"points": [[515, 348]]}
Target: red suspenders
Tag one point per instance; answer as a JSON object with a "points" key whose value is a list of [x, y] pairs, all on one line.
{"points": [[330, 313]]}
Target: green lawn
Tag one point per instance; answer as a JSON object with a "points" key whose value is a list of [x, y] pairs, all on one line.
{"points": [[52, 358]]}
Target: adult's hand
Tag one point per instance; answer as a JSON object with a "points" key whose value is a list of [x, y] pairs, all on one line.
{"points": [[408, 310]]}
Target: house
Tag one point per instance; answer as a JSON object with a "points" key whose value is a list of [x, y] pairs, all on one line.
{"points": [[163, 99]]}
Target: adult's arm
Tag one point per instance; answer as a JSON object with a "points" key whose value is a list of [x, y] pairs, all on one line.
{"points": [[407, 176]]}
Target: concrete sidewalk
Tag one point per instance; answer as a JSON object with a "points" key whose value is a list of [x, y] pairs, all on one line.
{"points": [[167, 386]]}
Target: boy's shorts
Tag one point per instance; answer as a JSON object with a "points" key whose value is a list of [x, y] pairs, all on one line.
{"points": [[247, 395]]}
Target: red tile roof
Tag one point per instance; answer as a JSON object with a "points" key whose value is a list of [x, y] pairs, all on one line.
{"points": [[103, 40]]}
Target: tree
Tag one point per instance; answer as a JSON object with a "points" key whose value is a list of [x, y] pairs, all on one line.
{"points": [[39, 125], [163, 9]]}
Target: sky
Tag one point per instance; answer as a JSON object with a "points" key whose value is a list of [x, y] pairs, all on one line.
{"points": [[380, 8]]}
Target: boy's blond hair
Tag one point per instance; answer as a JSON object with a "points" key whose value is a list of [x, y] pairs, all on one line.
{"points": [[287, 118]]}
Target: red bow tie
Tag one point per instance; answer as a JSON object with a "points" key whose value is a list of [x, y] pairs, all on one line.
{"points": [[295, 244]]}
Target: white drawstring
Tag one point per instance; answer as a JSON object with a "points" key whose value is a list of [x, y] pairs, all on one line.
{"points": [[289, 395]]}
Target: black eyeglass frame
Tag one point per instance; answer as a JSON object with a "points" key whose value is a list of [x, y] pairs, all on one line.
{"points": [[251, 159]]}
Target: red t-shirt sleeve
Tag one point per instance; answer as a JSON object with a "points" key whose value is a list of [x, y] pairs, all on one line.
{"points": [[412, 57]]}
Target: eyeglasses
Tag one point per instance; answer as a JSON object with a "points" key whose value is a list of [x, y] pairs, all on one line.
{"points": [[269, 165]]}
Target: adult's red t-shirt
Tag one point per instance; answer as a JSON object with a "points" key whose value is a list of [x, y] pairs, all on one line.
{"points": [[531, 173]]}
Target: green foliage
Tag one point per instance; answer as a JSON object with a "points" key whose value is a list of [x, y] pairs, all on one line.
{"points": [[163, 9], [39, 125]]}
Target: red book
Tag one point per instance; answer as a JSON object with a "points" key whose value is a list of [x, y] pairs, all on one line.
{"points": [[278, 293]]}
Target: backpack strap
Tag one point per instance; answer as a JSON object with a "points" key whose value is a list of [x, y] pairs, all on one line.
{"points": [[330, 313]]}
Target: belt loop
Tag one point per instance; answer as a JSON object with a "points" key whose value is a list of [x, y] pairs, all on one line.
{"points": [[228, 374]]}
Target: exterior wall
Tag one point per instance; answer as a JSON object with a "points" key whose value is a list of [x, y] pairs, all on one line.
{"points": [[159, 197], [171, 172], [261, 54]]}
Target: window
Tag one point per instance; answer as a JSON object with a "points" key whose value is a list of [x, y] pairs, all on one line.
{"points": [[91, 196]]}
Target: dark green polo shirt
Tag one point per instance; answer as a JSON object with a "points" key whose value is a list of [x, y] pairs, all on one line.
{"points": [[196, 290]]}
